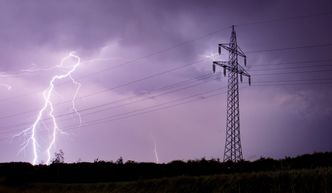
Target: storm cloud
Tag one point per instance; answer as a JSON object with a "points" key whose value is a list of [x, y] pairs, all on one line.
{"points": [[138, 54]]}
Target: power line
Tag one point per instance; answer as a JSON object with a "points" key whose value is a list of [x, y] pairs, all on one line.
{"points": [[168, 71], [292, 67], [114, 117], [145, 112], [295, 83], [296, 72], [147, 77], [297, 80], [147, 98], [159, 107], [292, 48], [289, 83], [104, 105], [292, 62], [206, 77], [162, 104], [169, 86], [112, 107], [264, 74], [187, 65]]}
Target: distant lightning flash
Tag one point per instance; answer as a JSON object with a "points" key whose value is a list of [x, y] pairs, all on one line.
{"points": [[155, 150], [211, 56], [48, 106], [9, 87]]}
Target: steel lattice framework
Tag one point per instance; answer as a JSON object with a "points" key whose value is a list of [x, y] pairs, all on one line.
{"points": [[233, 149]]}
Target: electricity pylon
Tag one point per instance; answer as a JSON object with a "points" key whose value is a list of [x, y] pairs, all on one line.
{"points": [[233, 149]]}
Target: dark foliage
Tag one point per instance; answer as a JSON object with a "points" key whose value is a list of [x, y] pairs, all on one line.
{"points": [[59, 157], [101, 171]]}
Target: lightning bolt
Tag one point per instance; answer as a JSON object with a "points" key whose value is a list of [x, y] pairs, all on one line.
{"points": [[78, 86], [155, 150], [49, 107]]}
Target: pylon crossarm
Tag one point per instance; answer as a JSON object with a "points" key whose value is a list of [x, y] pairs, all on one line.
{"points": [[242, 71], [240, 52], [226, 66], [228, 48], [225, 46], [221, 63]]}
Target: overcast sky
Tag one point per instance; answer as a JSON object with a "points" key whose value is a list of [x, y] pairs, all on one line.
{"points": [[147, 88]]}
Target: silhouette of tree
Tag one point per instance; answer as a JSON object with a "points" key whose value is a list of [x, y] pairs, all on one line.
{"points": [[105, 171], [119, 161], [59, 157]]}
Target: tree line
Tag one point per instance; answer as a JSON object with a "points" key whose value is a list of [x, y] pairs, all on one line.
{"points": [[109, 171]]}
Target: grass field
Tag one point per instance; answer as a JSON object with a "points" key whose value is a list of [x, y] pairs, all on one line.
{"points": [[293, 181]]}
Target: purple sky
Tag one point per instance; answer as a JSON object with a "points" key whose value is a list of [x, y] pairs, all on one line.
{"points": [[173, 108]]}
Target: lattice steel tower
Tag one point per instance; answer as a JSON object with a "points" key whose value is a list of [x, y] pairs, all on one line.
{"points": [[233, 149]]}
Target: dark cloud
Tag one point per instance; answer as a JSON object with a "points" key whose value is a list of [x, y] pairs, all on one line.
{"points": [[157, 36]]}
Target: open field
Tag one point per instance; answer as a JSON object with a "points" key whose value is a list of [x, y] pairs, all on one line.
{"points": [[294, 181], [302, 174]]}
